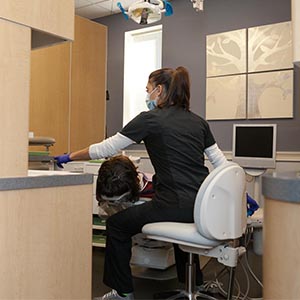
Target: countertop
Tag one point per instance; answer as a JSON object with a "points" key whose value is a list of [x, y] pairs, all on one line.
{"points": [[283, 186], [43, 179]]}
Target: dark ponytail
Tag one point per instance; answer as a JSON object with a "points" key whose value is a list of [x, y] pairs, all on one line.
{"points": [[179, 90]]}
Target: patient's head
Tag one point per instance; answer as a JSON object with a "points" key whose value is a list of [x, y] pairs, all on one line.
{"points": [[118, 176]]}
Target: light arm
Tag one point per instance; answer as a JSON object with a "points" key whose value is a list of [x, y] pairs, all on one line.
{"points": [[108, 147], [215, 155], [82, 154]]}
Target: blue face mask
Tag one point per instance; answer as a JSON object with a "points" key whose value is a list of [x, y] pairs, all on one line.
{"points": [[151, 104]]}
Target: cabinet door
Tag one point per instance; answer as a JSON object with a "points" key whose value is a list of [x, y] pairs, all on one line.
{"points": [[68, 85], [49, 95], [55, 17], [46, 249], [88, 86], [14, 89]]}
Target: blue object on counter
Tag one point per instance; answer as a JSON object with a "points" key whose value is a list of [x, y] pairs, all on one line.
{"points": [[252, 205]]}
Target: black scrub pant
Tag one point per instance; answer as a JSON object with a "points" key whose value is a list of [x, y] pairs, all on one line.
{"points": [[125, 224]]}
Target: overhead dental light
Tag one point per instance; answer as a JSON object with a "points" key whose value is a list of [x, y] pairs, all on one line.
{"points": [[146, 12]]}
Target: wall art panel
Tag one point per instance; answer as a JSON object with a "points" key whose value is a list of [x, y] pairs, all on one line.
{"points": [[226, 53], [270, 95], [270, 47], [226, 97]]}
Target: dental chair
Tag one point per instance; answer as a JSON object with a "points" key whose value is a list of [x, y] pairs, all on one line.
{"points": [[220, 220]]}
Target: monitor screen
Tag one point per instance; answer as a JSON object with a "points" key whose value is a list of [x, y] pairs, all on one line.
{"points": [[254, 145]]}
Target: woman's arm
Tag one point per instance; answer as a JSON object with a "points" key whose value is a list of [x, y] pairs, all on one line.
{"points": [[106, 148], [82, 154]]}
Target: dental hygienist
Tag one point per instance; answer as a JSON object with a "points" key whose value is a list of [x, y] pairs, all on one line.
{"points": [[176, 140]]}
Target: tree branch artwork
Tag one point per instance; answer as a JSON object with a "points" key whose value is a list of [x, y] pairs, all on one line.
{"points": [[226, 53], [270, 95], [270, 47], [250, 76]]}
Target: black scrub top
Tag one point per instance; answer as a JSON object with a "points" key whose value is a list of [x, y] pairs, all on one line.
{"points": [[175, 140]]}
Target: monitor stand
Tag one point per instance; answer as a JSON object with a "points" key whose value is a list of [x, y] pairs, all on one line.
{"points": [[256, 174]]}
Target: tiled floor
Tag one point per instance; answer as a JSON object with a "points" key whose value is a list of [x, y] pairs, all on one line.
{"points": [[146, 288]]}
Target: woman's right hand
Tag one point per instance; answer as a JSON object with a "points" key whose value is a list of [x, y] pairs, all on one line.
{"points": [[62, 159]]}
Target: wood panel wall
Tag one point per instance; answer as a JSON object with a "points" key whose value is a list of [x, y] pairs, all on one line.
{"points": [[14, 90], [88, 107], [49, 90], [68, 86]]}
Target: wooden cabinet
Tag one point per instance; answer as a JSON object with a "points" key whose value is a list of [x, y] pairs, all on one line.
{"points": [[18, 18], [68, 85], [50, 93], [45, 253], [46, 235], [88, 88], [50, 16], [14, 90]]}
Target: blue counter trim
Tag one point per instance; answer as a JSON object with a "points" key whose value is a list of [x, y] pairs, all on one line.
{"points": [[282, 186], [35, 182]]}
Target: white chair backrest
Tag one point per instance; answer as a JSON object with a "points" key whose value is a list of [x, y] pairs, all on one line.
{"points": [[220, 210]]}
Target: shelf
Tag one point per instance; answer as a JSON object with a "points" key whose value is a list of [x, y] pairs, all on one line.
{"points": [[100, 245], [40, 158], [100, 227], [99, 240], [97, 221]]}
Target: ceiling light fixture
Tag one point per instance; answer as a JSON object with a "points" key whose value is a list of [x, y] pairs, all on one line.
{"points": [[146, 12]]}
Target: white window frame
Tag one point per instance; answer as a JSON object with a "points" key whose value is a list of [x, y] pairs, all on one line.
{"points": [[142, 55]]}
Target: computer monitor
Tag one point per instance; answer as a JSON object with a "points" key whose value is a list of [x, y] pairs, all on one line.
{"points": [[254, 145]]}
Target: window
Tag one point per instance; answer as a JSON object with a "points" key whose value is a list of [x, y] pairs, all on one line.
{"points": [[143, 49]]}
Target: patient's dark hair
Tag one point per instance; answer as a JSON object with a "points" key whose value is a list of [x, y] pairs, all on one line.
{"points": [[117, 176]]}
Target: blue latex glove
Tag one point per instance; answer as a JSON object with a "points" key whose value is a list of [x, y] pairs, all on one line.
{"points": [[62, 159], [252, 206]]}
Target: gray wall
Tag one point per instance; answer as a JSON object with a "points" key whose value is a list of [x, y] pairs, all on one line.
{"points": [[184, 36]]}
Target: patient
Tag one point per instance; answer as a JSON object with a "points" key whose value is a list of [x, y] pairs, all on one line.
{"points": [[120, 185]]}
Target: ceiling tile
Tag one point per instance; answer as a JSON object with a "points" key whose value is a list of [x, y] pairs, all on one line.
{"points": [[110, 6], [100, 1], [81, 3], [92, 11]]}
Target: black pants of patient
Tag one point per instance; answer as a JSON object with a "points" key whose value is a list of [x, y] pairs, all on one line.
{"points": [[125, 224]]}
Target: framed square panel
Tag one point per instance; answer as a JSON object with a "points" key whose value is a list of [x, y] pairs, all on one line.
{"points": [[226, 97], [270, 47], [270, 95], [226, 53]]}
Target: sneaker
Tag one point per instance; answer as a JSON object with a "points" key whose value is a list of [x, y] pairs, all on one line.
{"points": [[113, 295]]}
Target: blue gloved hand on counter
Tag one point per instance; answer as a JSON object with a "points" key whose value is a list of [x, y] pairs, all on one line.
{"points": [[62, 159], [252, 205]]}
